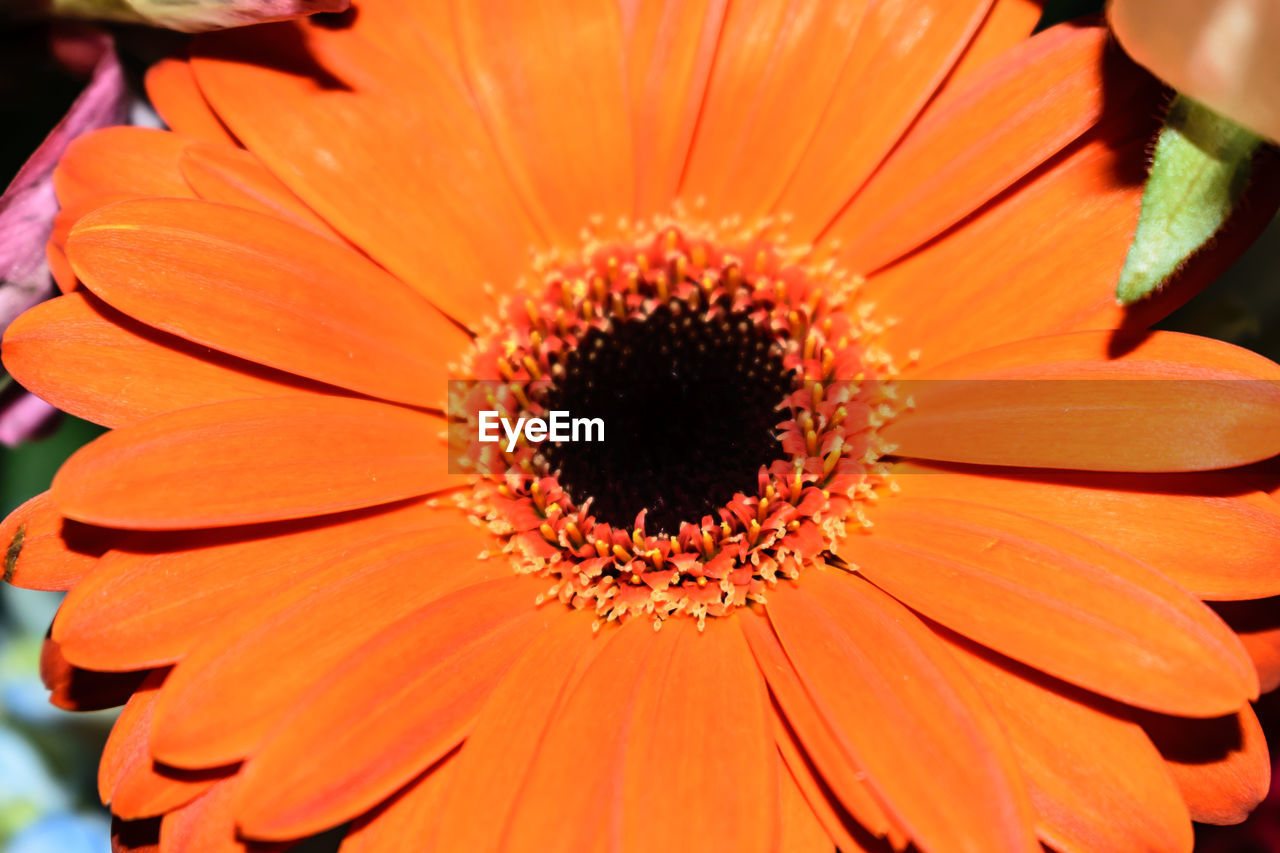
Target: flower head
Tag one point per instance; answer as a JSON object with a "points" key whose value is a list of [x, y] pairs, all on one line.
{"points": [[807, 604]]}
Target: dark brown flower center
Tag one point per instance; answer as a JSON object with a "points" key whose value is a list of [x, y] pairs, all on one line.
{"points": [[690, 402]]}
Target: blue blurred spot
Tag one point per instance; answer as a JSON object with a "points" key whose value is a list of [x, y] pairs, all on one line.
{"points": [[64, 833]]}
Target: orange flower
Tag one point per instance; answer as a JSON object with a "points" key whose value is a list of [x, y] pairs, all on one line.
{"points": [[852, 629]]}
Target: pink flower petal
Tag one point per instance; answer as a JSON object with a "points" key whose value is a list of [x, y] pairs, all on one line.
{"points": [[28, 205], [24, 418]]}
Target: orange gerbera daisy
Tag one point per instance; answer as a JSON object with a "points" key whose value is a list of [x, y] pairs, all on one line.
{"points": [[702, 219]]}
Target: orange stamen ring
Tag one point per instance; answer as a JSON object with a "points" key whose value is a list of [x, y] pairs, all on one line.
{"points": [[795, 320]]}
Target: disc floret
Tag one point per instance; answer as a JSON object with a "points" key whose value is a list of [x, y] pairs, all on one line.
{"points": [[797, 319]]}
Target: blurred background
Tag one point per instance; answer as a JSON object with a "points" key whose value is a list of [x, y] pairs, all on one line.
{"points": [[48, 757]]}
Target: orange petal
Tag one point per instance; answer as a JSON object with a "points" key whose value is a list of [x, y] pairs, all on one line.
{"points": [[837, 824], [713, 774], [670, 47], [248, 461], [433, 670], [415, 34], [579, 764], [75, 689], [402, 823], [636, 753], [352, 145], [1095, 780], [969, 289], [1257, 624], [227, 695], [106, 166], [820, 747], [1059, 602], [903, 711], [1183, 516], [1221, 766], [56, 254], [128, 777], [173, 91], [901, 55], [113, 620], [527, 73], [800, 830], [1008, 23], [234, 176], [1264, 648], [208, 824], [98, 364], [296, 301], [42, 550], [775, 70], [1020, 111], [1097, 401], [121, 750], [117, 163], [670, 770], [494, 763]]}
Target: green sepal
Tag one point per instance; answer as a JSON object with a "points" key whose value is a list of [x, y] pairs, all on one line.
{"points": [[1201, 166]]}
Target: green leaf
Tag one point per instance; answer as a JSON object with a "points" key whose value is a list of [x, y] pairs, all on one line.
{"points": [[1200, 170]]}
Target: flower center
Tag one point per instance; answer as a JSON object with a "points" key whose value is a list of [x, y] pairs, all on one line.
{"points": [[690, 406], [741, 389]]}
